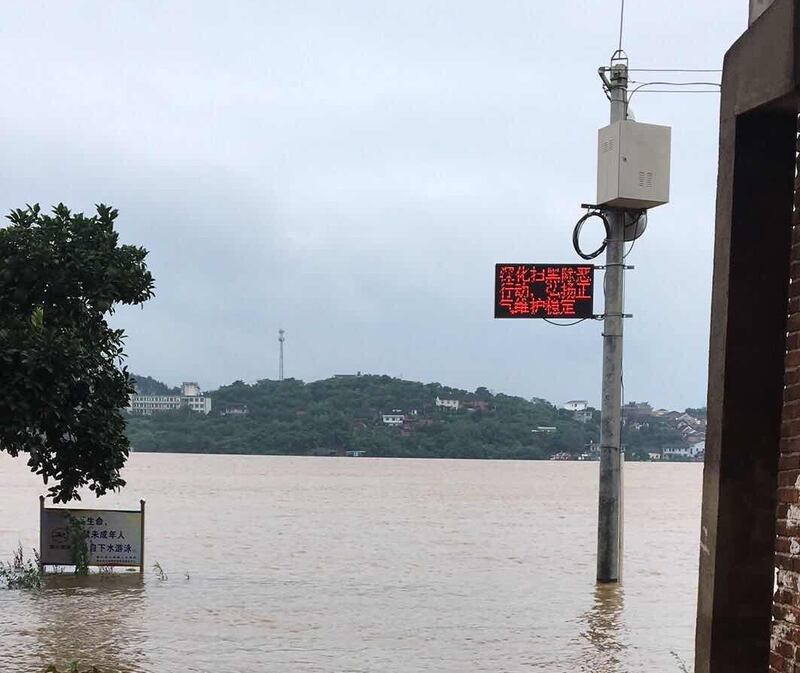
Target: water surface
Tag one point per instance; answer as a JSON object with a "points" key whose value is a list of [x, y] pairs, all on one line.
{"points": [[294, 565]]}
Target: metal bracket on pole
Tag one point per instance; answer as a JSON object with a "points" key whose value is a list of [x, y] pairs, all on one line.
{"points": [[594, 208], [603, 316]]}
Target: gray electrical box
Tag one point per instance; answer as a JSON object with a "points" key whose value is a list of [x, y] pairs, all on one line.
{"points": [[633, 165]]}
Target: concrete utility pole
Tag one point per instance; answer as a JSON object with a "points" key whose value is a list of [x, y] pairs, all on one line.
{"points": [[609, 521]]}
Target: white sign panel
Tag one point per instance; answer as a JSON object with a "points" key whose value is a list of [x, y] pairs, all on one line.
{"points": [[113, 537]]}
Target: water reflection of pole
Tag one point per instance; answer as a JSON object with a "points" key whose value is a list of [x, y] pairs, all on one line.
{"points": [[603, 630]]}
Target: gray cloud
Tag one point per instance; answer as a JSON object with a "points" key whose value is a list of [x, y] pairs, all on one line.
{"points": [[352, 171]]}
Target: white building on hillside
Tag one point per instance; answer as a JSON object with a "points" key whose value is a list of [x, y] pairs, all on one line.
{"points": [[683, 451], [576, 405], [190, 389], [396, 418], [191, 397], [199, 403], [234, 409], [448, 404], [150, 404]]}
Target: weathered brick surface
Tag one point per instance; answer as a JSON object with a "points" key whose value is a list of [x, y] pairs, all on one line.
{"points": [[785, 643]]}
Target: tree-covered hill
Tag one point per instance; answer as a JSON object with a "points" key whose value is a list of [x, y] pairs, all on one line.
{"points": [[344, 413], [146, 385]]}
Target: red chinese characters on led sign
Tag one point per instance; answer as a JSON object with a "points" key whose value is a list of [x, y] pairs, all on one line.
{"points": [[544, 291]]}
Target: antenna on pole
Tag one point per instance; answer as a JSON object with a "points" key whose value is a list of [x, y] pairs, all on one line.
{"points": [[281, 339]]}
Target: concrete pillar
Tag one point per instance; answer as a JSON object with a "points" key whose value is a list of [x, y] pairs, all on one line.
{"points": [[752, 246], [757, 8], [745, 396]]}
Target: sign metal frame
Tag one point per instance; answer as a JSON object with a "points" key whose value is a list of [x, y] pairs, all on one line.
{"points": [[43, 511]]}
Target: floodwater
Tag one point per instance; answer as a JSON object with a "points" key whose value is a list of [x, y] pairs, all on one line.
{"points": [[334, 565]]}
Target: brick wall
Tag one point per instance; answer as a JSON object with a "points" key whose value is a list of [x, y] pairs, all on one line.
{"points": [[785, 643]]}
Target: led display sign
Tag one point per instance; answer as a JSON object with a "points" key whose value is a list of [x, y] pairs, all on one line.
{"points": [[543, 291]]}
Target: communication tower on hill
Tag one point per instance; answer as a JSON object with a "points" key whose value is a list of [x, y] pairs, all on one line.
{"points": [[281, 339]]}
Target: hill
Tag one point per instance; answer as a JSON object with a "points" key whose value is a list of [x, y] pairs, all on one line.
{"points": [[146, 385], [346, 413]]}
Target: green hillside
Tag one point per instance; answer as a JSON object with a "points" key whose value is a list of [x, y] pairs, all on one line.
{"points": [[146, 385], [344, 413]]}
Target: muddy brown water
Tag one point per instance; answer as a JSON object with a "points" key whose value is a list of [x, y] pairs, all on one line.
{"points": [[283, 564]]}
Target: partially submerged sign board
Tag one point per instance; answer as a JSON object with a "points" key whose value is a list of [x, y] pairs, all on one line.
{"points": [[113, 537], [544, 291]]}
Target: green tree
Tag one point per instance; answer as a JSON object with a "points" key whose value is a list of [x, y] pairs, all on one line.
{"points": [[292, 417], [147, 385], [62, 383]]}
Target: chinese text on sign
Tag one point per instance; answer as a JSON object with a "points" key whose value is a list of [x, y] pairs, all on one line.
{"points": [[113, 537], [544, 291]]}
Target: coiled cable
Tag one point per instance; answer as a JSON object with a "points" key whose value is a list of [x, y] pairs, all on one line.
{"points": [[576, 234]]}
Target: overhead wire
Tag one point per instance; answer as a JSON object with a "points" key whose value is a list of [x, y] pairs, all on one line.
{"points": [[668, 83], [680, 92], [633, 242], [672, 70], [642, 86], [645, 84], [564, 324]]}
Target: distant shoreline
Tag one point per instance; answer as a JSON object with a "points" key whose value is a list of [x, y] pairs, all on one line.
{"points": [[471, 459]]}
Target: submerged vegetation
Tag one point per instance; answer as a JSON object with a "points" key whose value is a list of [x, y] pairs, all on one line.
{"points": [[159, 572], [76, 532], [21, 572]]}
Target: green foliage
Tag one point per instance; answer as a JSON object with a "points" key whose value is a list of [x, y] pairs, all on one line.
{"points": [[79, 547], [338, 414], [652, 435], [633, 454], [146, 385], [60, 363], [21, 573]]}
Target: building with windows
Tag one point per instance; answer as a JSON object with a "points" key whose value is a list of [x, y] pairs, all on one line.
{"points": [[234, 409], [452, 405], [396, 418], [191, 396], [190, 389], [150, 404], [692, 452]]}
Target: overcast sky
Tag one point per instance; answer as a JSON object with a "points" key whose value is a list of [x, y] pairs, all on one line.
{"points": [[351, 172]]}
